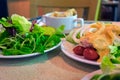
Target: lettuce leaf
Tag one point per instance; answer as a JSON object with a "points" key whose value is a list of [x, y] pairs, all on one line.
{"points": [[6, 22], [21, 24], [107, 66], [115, 53]]}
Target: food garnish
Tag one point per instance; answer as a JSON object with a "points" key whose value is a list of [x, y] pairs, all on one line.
{"points": [[20, 36]]}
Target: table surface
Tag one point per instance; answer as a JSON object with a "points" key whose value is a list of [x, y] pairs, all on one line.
{"points": [[53, 65]]}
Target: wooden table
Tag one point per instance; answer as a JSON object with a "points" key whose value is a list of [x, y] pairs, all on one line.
{"points": [[51, 66], [114, 6]]}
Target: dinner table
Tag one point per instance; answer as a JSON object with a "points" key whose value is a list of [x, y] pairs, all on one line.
{"points": [[53, 65]]}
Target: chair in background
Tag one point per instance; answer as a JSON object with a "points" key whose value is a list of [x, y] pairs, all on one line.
{"points": [[87, 9]]}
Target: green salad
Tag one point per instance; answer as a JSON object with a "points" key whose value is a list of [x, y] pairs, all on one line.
{"points": [[110, 71], [20, 36]]}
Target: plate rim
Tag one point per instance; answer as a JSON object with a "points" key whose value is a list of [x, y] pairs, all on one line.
{"points": [[31, 54], [90, 75], [73, 56]]}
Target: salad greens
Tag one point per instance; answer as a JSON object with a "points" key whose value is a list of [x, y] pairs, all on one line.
{"points": [[21, 36], [115, 53], [107, 66], [20, 23], [110, 70]]}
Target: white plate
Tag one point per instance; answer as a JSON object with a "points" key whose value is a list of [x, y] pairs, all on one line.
{"points": [[29, 55], [67, 49], [90, 75]]}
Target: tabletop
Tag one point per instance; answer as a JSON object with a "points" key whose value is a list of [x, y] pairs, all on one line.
{"points": [[53, 65]]}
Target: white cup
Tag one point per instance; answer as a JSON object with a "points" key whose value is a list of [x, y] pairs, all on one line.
{"points": [[69, 22]]}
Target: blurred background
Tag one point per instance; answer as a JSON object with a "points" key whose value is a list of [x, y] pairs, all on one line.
{"points": [[109, 9]]}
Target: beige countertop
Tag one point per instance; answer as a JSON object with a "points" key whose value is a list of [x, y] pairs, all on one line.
{"points": [[51, 66]]}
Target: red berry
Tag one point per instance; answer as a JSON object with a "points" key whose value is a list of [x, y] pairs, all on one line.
{"points": [[90, 53], [78, 50]]}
